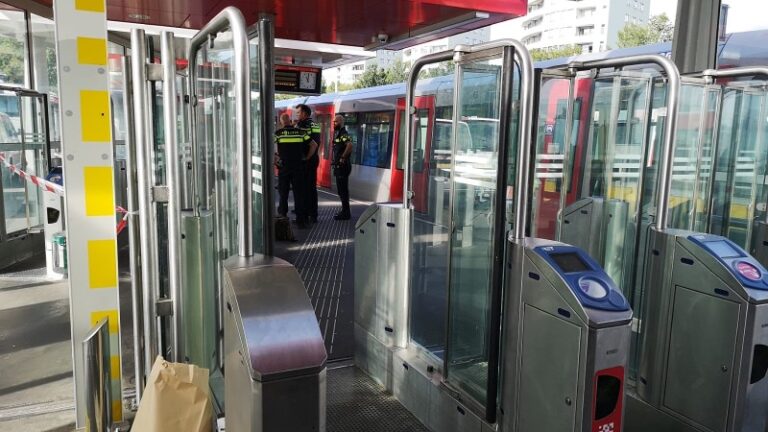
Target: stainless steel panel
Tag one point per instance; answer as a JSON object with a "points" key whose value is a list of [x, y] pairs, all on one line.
{"points": [[366, 269], [581, 225], [446, 414], [642, 417], [274, 352], [199, 290], [755, 385], [280, 329], [411, 388], [372, 357], [549, 373], [701, 357], [98, 379]]}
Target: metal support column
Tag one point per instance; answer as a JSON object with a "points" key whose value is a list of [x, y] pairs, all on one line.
{"points": [[694, 46]]}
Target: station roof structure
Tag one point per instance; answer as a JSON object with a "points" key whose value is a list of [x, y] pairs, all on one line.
{"points": [[320, 33], [345, 22]]}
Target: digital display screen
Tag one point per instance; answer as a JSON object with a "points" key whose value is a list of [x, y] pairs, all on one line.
{"points": [[570, 262], [723, 249]]}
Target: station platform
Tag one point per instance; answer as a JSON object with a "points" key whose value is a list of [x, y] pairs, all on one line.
{"points": [[35, 340]]}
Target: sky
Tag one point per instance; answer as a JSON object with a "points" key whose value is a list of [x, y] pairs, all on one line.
{"points": [[743, 15]]}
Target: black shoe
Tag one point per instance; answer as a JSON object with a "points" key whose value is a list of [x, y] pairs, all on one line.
{"points": [[342, 216]]}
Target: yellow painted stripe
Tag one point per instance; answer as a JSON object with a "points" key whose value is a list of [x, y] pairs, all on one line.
{"points": [[94, 109], [99, 191], [117, 410], [90, 5], [111, 315], [91, 51], [102, 264], [115, 367]]}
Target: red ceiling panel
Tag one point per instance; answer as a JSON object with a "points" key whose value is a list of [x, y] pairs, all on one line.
{"points": [[349, 22]]}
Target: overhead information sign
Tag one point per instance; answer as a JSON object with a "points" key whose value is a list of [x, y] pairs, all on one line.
{"points": [[303, 80]]}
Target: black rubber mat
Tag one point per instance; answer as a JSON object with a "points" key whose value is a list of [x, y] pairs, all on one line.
{"points": [[357, 404], [324, 256]]}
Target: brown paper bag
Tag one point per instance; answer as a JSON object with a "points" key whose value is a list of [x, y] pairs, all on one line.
{"points": [[176, 398]]}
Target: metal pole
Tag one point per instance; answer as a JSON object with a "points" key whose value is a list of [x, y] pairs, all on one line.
{"points": [[267, 102], [410, 111], [147, 218], [170, 116], [525, 138], [670, 122], [734, 72], [498, 243], [98, 385], [134, 240], [231, 18]]}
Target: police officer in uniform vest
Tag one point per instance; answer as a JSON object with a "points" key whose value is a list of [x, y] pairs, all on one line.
{"points": [[313, 129], [342, 149], [294, 145]]}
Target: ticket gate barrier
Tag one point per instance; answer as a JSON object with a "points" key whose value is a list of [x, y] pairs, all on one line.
{"points": [[704, 352], [274, 352], [567, 342]]}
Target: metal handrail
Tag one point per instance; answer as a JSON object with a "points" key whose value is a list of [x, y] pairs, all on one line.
{"points": [[233, 19], [172, 179], [133, 235], [147, 216]]}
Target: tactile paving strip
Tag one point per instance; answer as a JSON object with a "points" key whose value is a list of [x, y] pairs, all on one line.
{"points": [[357, 404], [324, 257]]}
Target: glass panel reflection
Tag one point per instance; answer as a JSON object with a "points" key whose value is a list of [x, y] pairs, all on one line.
{"points": [[475, 170]]}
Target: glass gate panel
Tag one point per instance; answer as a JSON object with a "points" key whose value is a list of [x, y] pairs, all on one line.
{"points": [[553, 147], [475, 164], [603, 218], [24, 144], [741, 165], [682, 197]]}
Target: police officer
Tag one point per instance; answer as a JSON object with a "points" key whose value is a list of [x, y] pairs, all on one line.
{"points": [[313, 129], [342, 149], [294, 146]]}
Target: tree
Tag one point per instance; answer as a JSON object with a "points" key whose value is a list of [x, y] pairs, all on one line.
{"points": [[12, 60], [540, 54], [658, 29], [397, 72], [442, 69], [372, 77]]}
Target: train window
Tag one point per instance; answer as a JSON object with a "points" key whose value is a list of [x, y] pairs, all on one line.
{"points": [[375, 147]]}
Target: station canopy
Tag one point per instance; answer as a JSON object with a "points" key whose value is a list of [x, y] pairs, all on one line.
{"points": [[347, 22]]}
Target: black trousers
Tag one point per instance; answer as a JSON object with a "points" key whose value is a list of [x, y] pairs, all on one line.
{"points": [[342, 186], [292, 178], [310, 188]]}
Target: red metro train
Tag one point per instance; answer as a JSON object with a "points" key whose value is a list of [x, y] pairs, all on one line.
{"points": [[375, 120]]}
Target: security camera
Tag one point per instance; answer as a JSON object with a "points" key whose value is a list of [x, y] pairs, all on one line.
{"points": [[383, 37]]}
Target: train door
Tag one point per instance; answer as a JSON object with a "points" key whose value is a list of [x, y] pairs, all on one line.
{"points": [[423, 158], [324, 118]]}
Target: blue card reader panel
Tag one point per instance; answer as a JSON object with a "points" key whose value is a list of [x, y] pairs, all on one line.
{"points": [[742, 265], [586, 279]]}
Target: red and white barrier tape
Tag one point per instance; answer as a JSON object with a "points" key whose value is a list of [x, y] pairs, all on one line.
{"points": [[35, 180], [58, 190]]}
